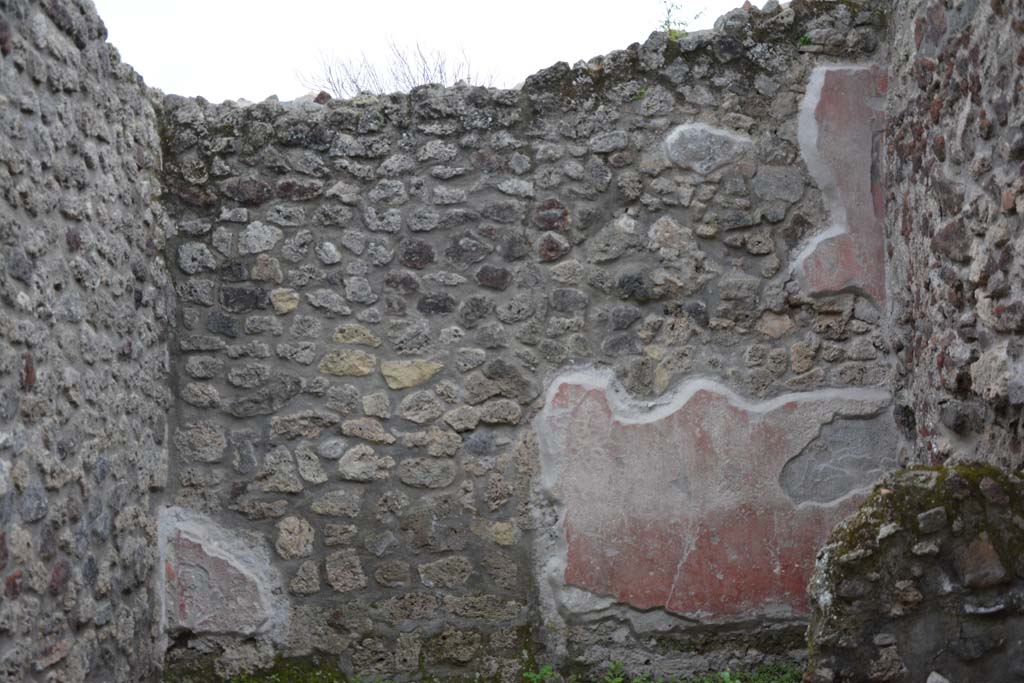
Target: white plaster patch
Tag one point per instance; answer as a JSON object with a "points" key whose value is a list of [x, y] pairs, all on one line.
{"points": [[248, 560]]}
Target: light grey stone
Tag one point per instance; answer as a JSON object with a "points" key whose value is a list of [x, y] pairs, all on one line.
{"points": [[258, 237], [294, 538], [782, 183], [195, 257], [362, 463], [704, 148], [345, 571]]}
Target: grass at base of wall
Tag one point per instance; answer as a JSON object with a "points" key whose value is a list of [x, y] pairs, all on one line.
{"points": [[303, 672], [770, 673], [299, 670]]}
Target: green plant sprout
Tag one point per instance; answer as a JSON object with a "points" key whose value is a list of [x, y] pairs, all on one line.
{"points": [[675, 28]]}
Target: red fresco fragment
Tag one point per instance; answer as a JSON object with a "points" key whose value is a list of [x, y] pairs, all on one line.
{"points": [[207, 593], [686, 512], [851, 118]]}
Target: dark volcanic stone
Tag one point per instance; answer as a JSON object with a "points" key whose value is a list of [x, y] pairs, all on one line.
{"points": [[415, 254], [466, 249], [247, 191], [503, 212], [567, 300], [242, 299], [552, 247], [270, 398], [234, 270], [474, 310], [405, 283], [622, 345], [514, 245], [621, 317], [494, 277], [436, 303], [222, 324], [551, 214], [636, 287]]}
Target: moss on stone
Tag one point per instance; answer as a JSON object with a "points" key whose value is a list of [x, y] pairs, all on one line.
{"points": [[982, 504], [780, 639], [284, 670]]}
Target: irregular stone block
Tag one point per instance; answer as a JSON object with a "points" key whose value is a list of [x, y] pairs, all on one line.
{"points": [[448, 572], [367, 428], [426, 473], [978, 563], [348, 363], [420, 407], [339, 503], [686, 506], [353, 333], [258, 237], [408, 373], [202, 441], [345, 571], [214, 580], [779, 183], [362, 463], [294, 538], [306, 423]]}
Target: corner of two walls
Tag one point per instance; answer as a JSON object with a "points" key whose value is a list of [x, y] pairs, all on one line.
{"points": [[919, 585], [459, 374]]}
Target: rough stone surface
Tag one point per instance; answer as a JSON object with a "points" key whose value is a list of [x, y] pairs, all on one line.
{"points": [[645, 218], [340, 318], [294, 538], [943, 596], [86, 302], [703, 148], [344, 571], [956, 220]]}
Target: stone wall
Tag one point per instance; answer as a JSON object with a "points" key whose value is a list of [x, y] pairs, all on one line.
{"points": [[461, 379], [468, 373], [924, 583], [84, 368], [955, 175]]}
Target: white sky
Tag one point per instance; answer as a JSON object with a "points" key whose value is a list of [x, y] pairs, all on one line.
{"points": [[229, 49]]}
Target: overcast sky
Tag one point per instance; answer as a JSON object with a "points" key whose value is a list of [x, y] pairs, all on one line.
{"points": [[230, 49]]}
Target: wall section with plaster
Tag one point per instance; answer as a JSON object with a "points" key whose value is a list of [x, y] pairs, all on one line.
{"points": [[376, 295], [382, 305], [679, 507]]}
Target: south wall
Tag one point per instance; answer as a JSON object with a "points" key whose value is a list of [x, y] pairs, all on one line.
{"points": [[469, 378]]}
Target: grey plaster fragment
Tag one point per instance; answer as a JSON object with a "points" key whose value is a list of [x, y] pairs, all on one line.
{"points": [[704, 148]]}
